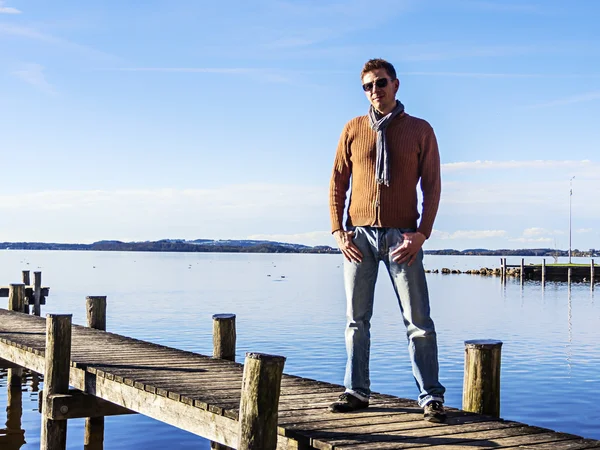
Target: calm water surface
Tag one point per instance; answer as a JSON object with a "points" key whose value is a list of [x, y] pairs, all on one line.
{"points": [[293, 305]]}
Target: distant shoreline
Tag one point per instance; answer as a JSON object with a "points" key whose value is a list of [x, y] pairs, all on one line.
{"points": [[249, 246]]}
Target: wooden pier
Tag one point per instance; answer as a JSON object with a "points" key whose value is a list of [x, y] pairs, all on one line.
{"points": [[251, 406]]}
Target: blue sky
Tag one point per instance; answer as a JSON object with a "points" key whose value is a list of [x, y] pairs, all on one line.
{"points": [[196, 119]]}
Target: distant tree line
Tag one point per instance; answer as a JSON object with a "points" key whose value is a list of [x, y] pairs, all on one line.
{"points": [[168, 245]]}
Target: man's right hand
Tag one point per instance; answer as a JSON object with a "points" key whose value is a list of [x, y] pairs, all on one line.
{"points": [[346, 245]]}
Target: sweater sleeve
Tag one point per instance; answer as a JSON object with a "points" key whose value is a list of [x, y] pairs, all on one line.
{"points": [[431, 184], [340, 181]]}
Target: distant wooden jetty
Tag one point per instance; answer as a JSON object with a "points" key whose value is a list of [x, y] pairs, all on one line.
{"points": [[576, 273], [253, 406]]}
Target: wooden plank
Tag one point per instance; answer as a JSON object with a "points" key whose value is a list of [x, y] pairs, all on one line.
{"points": [[45, 291]]}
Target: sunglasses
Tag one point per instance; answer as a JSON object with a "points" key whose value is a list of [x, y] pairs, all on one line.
{"points": [[380, 83]]}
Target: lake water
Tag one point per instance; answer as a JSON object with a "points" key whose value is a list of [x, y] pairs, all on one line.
{"points": [[294, 305]]}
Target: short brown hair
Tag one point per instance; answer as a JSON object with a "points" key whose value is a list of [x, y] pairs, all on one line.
{"points": [[378, 63]]}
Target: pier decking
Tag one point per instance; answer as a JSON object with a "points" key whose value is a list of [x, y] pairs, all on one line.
{"points": [[201, 394]]}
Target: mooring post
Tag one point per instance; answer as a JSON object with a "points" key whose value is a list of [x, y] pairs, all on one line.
{"points": [[16, 297], [37, 293], [481, 386], [94, 426], [504, 268], [261, 386], [569, 276], [56, 378], [26, 282], [14, 409], [522, 269], [592, 274], [543, 272], [224, 337]]}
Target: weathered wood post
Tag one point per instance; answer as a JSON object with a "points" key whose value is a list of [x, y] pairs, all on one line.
{"points": [[15, 435], [16, 297], [592, 274], [543, 272], [94, 426], [261, 385], [26, 282], [522, 269], [37, 293], [224, 337], [56, 378], [481, 386], [504, 268]]}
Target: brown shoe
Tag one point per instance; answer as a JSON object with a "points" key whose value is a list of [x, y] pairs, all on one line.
{"points": [[434, 412], [347, 403]]}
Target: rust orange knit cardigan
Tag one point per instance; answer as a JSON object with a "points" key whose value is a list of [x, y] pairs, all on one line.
{"points": [[413, 156]]}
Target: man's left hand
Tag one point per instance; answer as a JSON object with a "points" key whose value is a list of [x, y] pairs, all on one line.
{"points": [[409, 249]]}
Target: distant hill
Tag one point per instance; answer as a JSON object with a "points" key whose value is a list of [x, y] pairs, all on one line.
{"points": [[258, 246], [176, 245]]}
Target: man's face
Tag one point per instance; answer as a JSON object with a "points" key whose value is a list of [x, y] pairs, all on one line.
{"points": [[383, 99]]}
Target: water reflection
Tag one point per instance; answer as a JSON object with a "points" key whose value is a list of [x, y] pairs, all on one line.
{"points": [[570, 327], [13, 436]]}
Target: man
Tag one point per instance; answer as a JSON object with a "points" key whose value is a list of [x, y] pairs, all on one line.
{"points": [[385, 154]]}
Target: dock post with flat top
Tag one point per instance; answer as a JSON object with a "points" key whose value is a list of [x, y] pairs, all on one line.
{"points": [[37, 293], [261, 386], [481, 386], [522, 269], [56, 378], [16, 297], [94, 426], [26, 282], [224, 337]]}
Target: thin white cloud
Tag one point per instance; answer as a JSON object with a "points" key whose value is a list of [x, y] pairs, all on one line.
{"points": [[32, 33], [539, 240], [7, 9], [33, 74], [506, 7], [537, 232], [224, 212], [468, 234], [535, 164], [584, 230], [497, 75], [580, 98], [263, 74], [311, 238]]}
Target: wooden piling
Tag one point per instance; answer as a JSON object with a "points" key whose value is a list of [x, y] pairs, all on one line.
{"points": [[224, 337], [481, 386], [16, 297], [261, 386], [37, 293], [522, 269], [592, 274], [569, 273], [94, 426], [504, 268], [544, 272], [56, 378], [26, 282]]}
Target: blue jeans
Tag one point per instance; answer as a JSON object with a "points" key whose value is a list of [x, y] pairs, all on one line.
{"points": [[410, 286]]}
